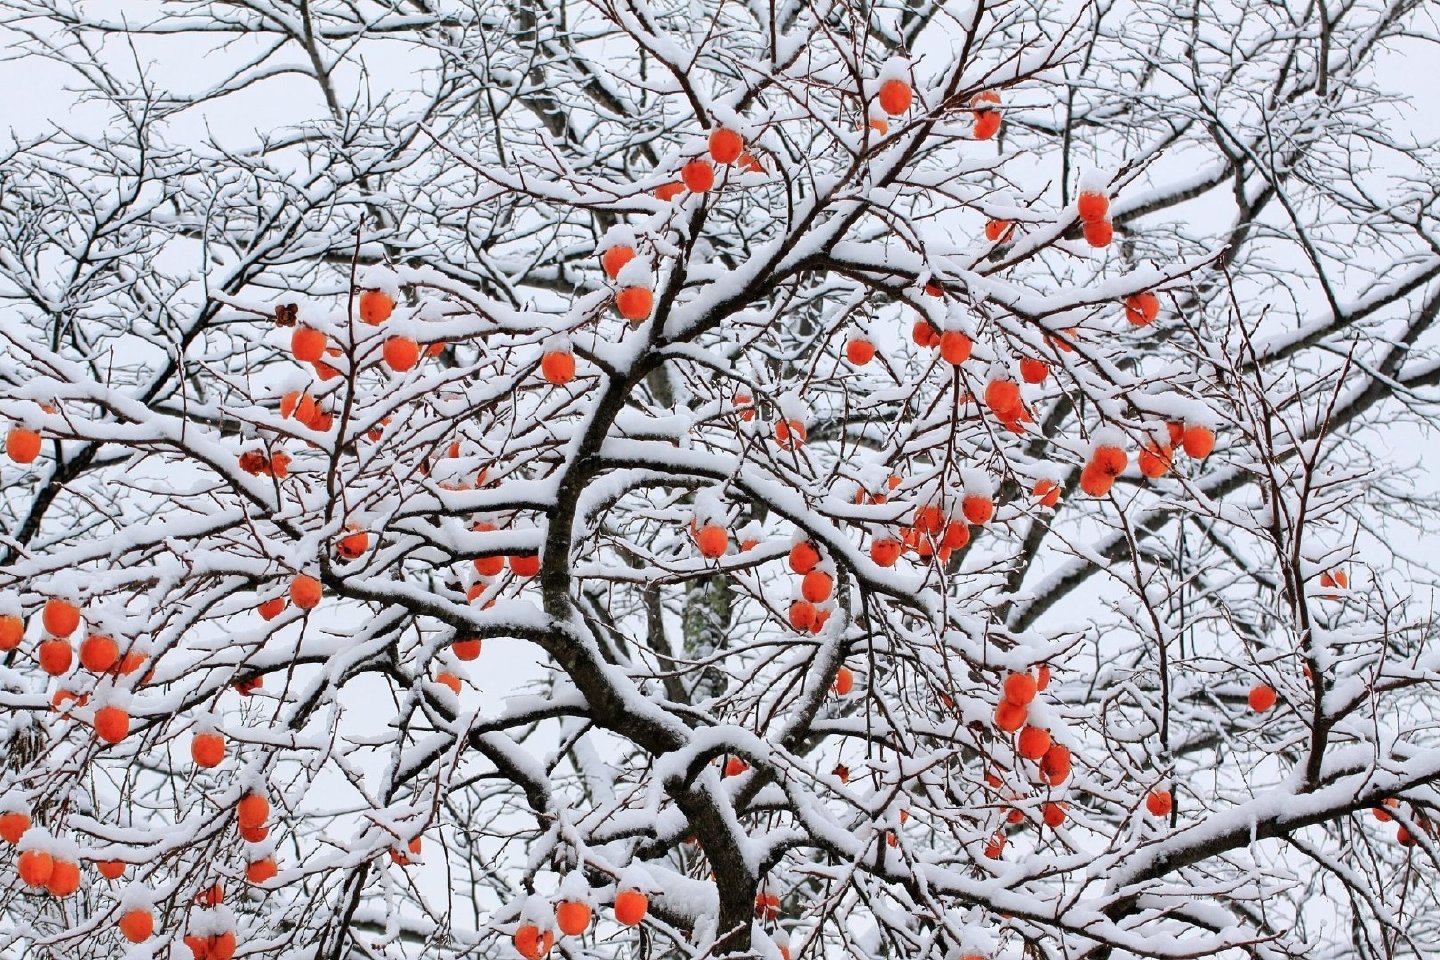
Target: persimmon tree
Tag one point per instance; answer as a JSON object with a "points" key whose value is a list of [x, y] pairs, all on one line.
{"points": [[943, 470]]}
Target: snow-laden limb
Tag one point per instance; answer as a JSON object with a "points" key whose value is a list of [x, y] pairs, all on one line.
{"points": [[826, 479]]}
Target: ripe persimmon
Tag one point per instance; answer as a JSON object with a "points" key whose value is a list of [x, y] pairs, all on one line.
{"points": [[1155, 460], [924, 334], [859, 351], [816, 586], [64, 878], [613, 259], [1042, 677], [996, 845], [1053, 814], [572, 916], [634, 303], [401, 354], [272, 608], [895, 97], [1010, 716], [1055, 765], [630, 907], [252, 810], [803, 557], [137, 925], [1141, 309], [12, 631], [21, 445], [1159, 803], [35, 867], [1099, 233], [558, 367], [1198, 441], [1003, 397], [978, 509], [307, 344], [207, 749], [844, 681], [955, 347], [767, 905], [60, 617], [55, 656], [13, 824], [352, 546], [530, 943], [885, 551], [305, 591], [260, 871], [957, 537], [1047, 492], [111, 869], [112, 723], [1020, 688], [789, 434], [1092, 206], [98, 653], [1033, 370], [1033, 742], [256, 834], [669, 191], [1261, 697], [987, 124], [929, 519], [726, 145], [802, 615], [376, 306], [999, 231], [1110, 459], [713, 540], [524, 564], [1095, 480], [698, 175]]}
